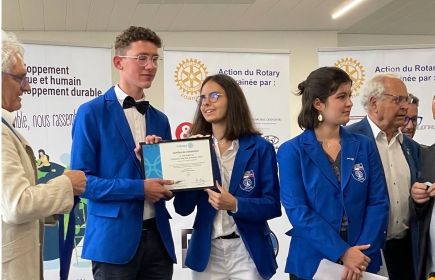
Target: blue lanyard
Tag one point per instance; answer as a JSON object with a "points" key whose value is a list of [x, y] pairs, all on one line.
{"points": [[66, 245], [8, 125]]}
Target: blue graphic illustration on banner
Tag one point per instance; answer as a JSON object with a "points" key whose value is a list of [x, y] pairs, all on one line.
{"points": [[152, 161], [248, 183], [358, 172]]}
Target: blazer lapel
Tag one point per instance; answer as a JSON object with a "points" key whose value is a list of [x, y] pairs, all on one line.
{"points": [[246, 145], [122, 125], [349, 151], [318, 156]]}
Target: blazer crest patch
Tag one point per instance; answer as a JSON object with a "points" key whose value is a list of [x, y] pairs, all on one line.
{"points": [[248, 181], [358, 172]]}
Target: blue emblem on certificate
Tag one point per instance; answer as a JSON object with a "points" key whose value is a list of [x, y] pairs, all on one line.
{"points": [[248, 181], [152, 163], [358, 172]]}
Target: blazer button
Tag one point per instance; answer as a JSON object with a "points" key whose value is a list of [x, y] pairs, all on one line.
{"points": [[345, 194]]}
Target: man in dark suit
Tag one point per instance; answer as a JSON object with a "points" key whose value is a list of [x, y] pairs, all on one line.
{"points": [[386, 101], [423, 202], [127, 230]]}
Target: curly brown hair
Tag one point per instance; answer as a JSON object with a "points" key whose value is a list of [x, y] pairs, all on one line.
{"points": [[133, 34]]}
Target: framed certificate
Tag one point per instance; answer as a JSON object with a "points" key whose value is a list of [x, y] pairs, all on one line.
{"points": [[187, 161]]}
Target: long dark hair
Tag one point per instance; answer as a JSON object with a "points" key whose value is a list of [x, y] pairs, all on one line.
{"points": [[239, 119], [42, 151], [321, 83]]}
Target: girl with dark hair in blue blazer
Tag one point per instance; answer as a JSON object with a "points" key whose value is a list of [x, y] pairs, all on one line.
{"points": [[332, 184], [230, 238]]}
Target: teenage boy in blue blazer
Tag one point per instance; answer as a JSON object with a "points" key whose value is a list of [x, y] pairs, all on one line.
{"points": [[127, 228]]}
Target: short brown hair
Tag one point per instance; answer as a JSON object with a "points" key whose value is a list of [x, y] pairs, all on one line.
{"points": [[133, 34], [239, 119]]}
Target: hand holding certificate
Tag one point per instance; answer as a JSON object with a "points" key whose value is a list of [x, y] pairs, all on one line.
{"points": [[328, 270], [155, 190], [188, 162]]}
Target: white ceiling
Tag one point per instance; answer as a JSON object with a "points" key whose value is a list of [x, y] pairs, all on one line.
{"points": [[369, 17]]}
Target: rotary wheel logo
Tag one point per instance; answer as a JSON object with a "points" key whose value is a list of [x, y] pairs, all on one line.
{"points": [[354, 70], [189, 75]]}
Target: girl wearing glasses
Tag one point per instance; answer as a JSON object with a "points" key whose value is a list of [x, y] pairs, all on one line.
{"points": [[231, 237], [332, 185]]}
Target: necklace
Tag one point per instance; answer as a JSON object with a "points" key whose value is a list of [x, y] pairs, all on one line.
{"points": [[221, 141], [328, 144]]}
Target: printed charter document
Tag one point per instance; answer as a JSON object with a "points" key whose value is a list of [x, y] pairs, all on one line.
{"points": [[187, 161], [328, 270]]}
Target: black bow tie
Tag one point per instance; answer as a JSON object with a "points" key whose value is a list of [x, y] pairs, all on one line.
{"points": [[141, 106]]}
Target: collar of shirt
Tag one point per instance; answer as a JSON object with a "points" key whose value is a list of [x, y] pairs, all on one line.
{"points": [[121, 95], [376, 131], [8, 116]]}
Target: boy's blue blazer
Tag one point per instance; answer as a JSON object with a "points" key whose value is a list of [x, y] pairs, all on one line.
{"points": [[103, 147]]}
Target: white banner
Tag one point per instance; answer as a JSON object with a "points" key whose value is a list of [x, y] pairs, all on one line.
{"points": [[62, 78], [265, 80], [415, 66]]}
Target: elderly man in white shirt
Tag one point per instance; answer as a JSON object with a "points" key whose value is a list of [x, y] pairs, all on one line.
{"points": [[386, 101]]}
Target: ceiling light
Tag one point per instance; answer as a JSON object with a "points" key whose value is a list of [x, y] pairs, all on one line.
{"points": [[343, 8]]}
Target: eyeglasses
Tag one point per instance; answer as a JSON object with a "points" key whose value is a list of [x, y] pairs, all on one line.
{"points": [[143, 59], [415, 120], [22, 79], [213, 97], [400, 99]]}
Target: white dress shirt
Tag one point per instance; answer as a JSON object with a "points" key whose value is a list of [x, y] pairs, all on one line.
{"points": [[137, 124], [223, 224], [398, 178]]}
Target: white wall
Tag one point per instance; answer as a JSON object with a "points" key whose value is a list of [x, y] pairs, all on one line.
{"points": [[353, 40], [302, 45]]}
